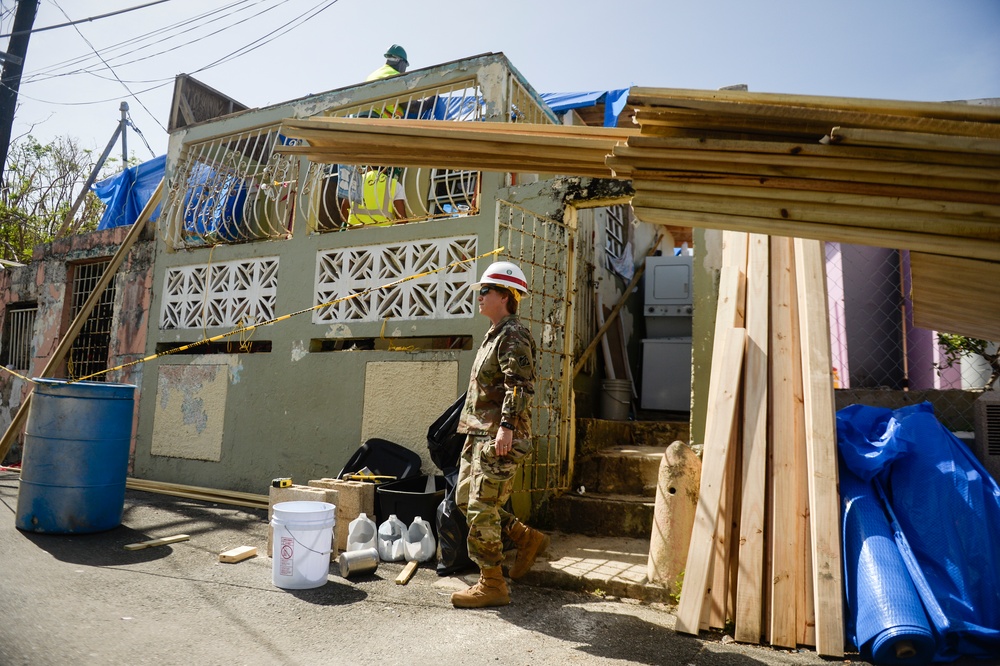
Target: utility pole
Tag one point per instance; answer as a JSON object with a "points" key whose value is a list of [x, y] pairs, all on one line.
{"points": [[13, 65]]}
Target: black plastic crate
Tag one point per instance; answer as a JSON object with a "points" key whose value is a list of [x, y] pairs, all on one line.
{"points": [[409, 498]]}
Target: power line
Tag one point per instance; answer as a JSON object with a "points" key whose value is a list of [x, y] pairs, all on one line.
{"points": [[38, 76], [185, 25], [92, 18], [125, 85]]}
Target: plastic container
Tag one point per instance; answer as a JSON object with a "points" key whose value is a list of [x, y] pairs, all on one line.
{"points": [[390, 539], [412, 497], [75, 460], [303, 541], [418, 541], [616, 399], [362, 534]]}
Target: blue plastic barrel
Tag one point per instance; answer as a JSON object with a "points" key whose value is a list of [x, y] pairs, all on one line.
{"points": [[75, 459]]}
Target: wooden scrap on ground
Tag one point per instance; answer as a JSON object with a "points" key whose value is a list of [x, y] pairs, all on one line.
{"points": [[157, 542], [407, 573], [238, 554]]}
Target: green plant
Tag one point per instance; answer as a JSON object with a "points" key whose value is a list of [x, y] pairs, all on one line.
{"points": [[957, 346], [675, 595]]}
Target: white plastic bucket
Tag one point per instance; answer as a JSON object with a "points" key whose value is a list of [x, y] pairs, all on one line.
{"points": [[303, 539], [616, 398]]}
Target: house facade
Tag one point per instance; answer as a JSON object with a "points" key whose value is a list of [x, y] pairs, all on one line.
{"points": [[283, 335]]}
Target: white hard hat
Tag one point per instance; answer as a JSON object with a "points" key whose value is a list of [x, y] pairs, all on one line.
{"points": [[504, 274]]}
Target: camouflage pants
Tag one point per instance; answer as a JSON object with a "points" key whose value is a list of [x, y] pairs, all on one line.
{"points": [[484, 486]]}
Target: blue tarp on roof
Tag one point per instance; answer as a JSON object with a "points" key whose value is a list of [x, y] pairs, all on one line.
{"points": [[613, 100], [127, 193]]}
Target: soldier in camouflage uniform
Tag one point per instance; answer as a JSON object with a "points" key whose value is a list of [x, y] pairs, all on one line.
{"points": [[497, 420]]}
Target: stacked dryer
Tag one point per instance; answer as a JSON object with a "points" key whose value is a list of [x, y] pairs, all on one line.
{"points": [[666, 350]]}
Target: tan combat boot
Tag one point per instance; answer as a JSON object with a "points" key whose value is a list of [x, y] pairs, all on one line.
{"points": [[529, 544], [491, 590]]}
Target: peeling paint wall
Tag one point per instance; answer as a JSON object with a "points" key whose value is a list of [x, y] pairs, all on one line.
{"points": [[44, 281]]}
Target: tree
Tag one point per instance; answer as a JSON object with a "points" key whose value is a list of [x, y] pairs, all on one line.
{"points": [[957, 346], [40, 185]]}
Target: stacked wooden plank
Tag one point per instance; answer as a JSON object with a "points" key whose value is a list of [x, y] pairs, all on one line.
{"points": [[916, 176], [765, 548], [477, 146]]}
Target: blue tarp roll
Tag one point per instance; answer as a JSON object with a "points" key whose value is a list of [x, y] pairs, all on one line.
{"points": [[886, 621], [943, 509]]}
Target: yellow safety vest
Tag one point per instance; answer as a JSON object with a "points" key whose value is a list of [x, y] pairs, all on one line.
{"points": [[385, 72], [376, 208]]}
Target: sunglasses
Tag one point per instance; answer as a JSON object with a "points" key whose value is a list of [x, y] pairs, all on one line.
{"points": [[485, 289]]}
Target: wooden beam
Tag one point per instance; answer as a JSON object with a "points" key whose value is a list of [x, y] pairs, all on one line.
{"points": [[749, 600], [165, 541], [643, 96], [784, 488], [900, 240], [66, 343], [956, 295], [821, 445], [845, 199], [871, 219], [722, 395]]}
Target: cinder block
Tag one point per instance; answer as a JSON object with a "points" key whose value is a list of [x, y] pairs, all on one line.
{"points": [[296, 493], [355, 497]]}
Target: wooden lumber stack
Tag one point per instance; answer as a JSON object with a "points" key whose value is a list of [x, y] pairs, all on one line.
{"points": [[916, 176], [513, 147], [765, 549]]}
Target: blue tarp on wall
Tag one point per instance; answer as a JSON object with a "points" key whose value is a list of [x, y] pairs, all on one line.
{"points": [[127, 193], [921, 527]]}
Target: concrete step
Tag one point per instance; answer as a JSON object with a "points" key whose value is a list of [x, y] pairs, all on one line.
{"points": [[620, 470], [605, 566], [593, 435], [596, 514]]}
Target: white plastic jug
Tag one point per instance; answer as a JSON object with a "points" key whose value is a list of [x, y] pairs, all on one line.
{"points": [[418, 541], [390, 539], [361, 533]]}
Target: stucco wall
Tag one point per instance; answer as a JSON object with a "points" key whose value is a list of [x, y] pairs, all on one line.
{"points": [[44, 281]]}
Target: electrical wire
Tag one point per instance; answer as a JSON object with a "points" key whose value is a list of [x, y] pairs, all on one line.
{"points": [[125, 85], [83, 62], [92, 18]]}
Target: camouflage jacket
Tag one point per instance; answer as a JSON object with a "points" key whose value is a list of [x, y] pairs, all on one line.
{"points": [[503, 381]]}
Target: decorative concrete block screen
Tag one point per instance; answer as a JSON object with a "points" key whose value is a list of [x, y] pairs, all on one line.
{"points": [[363, 283], [228, 293]]}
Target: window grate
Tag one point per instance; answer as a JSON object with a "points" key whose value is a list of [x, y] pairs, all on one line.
{"points": [[18, 330], [89, 353]]}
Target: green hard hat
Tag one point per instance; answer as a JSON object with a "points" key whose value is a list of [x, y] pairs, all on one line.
{"points": [[396, 51]]}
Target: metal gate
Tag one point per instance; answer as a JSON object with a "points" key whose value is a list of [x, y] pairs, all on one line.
{"points": [[544, 249]]}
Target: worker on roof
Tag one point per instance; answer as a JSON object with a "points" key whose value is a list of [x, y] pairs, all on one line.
{"points": [[395, 64]]}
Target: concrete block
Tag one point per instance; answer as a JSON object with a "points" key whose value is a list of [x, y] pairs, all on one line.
{"points": [[296, 493], [354, 498]]}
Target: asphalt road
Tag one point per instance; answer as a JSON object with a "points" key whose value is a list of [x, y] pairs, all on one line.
{"points": [[84, 599]]}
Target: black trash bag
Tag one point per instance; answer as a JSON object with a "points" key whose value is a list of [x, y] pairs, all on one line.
{"points": [[452, 531], [443, 440]]}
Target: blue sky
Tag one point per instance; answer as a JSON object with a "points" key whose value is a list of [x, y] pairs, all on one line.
{"points": [[920, 50]]}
